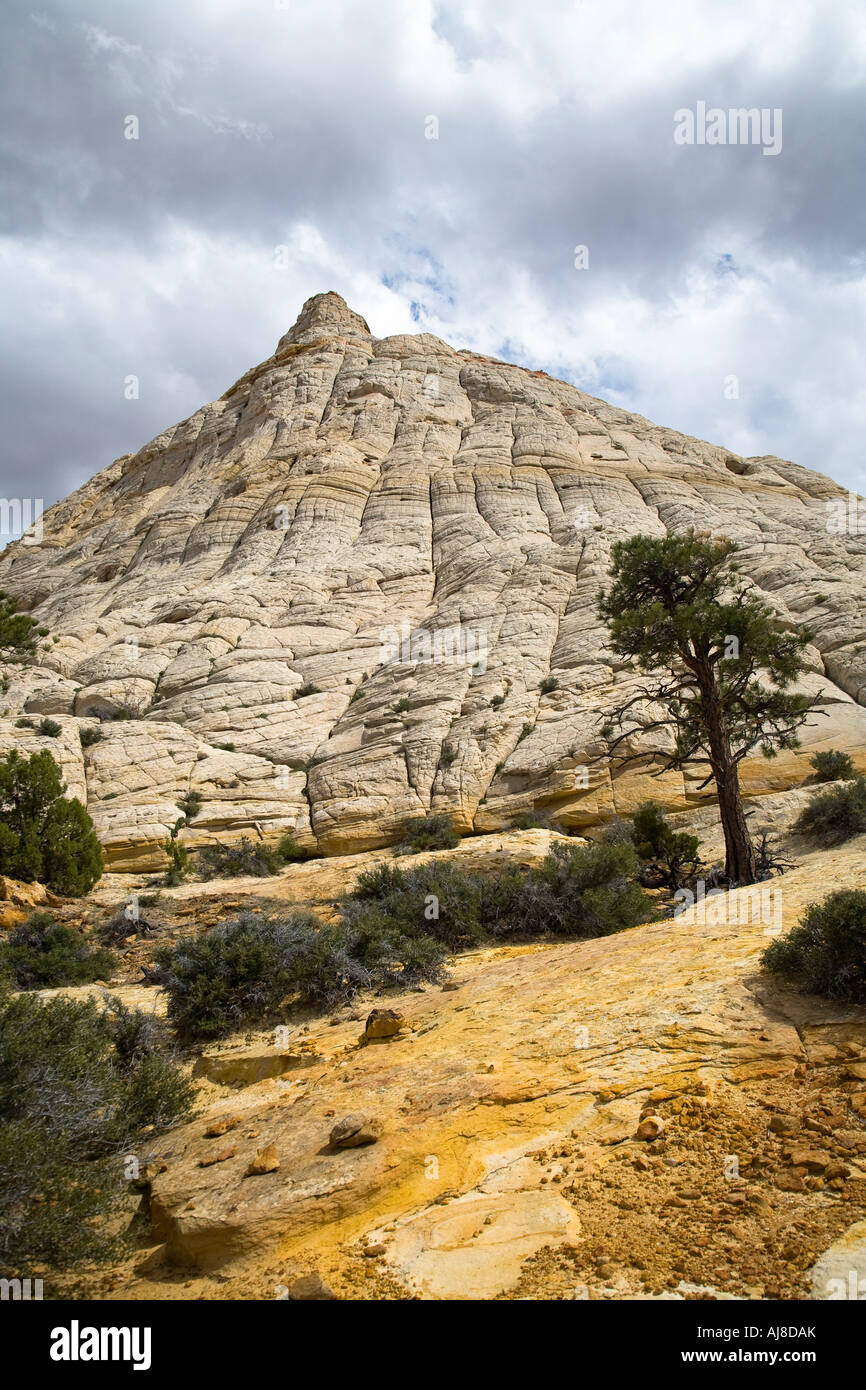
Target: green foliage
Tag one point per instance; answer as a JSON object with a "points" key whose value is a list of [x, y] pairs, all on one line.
{"points": [[672, 854], [427, 833], [833, 766], [190, 804], [178, 862], [43, 834], [235, 974], [677, 600], [232, 861], [836, 814], [549, 684], [25, 723], [76, 1092], [826, 952], [402, 705], [497, 702], [90, 736], [524, 733], [395, 929], [40, 953], [50, 728], [306, 690], [289, 851], [581, 891], [529, 820], [18, 631]]}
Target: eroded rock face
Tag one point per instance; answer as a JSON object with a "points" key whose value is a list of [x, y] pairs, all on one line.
{"points": [[337, 598]]}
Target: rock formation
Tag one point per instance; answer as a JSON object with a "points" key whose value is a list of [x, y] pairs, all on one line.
{"points": [[361, 586]]}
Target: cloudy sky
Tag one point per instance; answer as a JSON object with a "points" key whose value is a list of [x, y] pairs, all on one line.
{"points": [[306, 124]]}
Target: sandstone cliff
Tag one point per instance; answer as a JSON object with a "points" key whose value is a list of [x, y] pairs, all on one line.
{"points": [[361, 585]]}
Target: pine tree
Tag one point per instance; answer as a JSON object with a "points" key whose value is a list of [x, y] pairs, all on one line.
{"points": [[721, 665]]}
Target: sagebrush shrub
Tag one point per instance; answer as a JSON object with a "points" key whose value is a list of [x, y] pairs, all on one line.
{"points": [[75, 1093], [833, 816], [826, 952], [41, 953], [832, 766], [427, 833]]}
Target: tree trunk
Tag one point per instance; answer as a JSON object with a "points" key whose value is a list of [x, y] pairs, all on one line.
{"points": [[741, 865]]}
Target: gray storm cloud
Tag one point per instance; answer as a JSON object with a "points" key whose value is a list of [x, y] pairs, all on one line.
{"points": [[284, 150]]}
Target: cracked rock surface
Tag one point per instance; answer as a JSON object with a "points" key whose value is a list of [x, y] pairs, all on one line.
{"points": [[360, 587]]}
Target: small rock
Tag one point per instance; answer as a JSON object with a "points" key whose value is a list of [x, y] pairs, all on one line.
{"points": [[372, 1252], [383, 1023], [354, 1130], [650, 1128], [221, 1126], [309, 1288], [267, 1160], [784, 1124], [813, 1160]]}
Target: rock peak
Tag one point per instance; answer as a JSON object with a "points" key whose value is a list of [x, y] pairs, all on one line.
{"points": [[327, 312]]}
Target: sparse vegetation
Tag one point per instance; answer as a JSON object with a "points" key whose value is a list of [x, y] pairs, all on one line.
{"points": [[78, 1087], [49, 728], [18, 631], [549, 684], [529, 820], [427, 833], [45, 835], [395, 929], [306, 690], [670, 856], [832, 766], [259, 860], [835, 815], [41, 953], [826, 952], [90, 736]]}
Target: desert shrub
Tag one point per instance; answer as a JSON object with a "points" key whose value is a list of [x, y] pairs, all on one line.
{"points": [[43, 834], [289, 851], [581, 891], [832, 766], [826, 952], [435, 900], [836, 814], [549, 684], [25, 723], [178, 862], [670, 855], [235, 974], [428, 832], [232, 861], [73, 1098], [190, 804], [529, 820], [50, 728], [618, 832], [90, 736], [41, 953], [306, 690]]}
